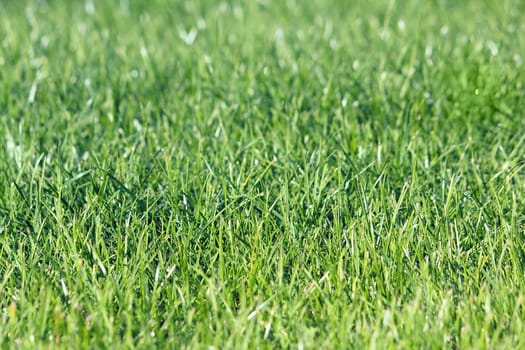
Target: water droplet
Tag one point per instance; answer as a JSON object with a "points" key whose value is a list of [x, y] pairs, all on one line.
{"points": [[493, 47], [90, 7], [201, 23]]}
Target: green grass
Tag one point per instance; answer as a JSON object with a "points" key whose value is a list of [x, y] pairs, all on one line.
{"points": [[262, 174]]}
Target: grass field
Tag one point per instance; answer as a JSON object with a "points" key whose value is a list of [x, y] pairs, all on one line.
{"points": [[262, 174]]}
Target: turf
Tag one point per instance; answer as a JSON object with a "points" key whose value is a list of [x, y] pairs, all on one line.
{"points": [[262, 174]]}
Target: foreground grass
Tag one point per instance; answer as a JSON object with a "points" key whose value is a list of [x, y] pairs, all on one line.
{"points": [[265, 174]]}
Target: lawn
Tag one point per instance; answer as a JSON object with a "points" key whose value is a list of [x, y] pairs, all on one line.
{"points": [[272, 174]]}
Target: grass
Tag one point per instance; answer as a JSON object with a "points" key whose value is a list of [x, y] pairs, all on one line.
{"points": [[262, 174]]}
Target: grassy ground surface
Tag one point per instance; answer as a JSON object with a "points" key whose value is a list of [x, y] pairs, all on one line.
{"points": [[271, 174]]}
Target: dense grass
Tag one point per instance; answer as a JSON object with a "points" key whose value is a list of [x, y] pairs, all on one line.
{"points": [[272, 174]]}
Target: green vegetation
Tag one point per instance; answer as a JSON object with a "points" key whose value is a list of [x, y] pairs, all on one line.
{"points": [[262, 174]]}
